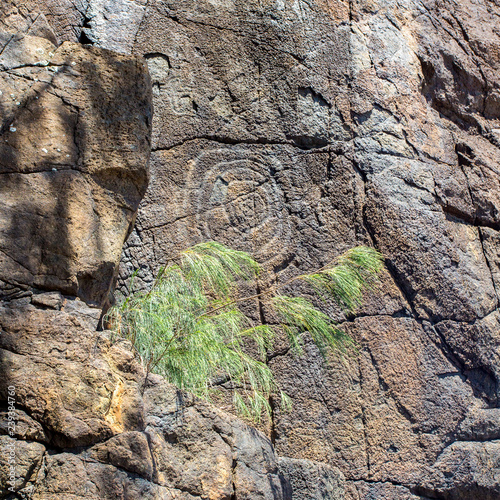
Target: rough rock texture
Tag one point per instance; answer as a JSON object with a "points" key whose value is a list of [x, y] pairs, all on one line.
{"points": [[296, 129], [74, 146], [312, 480], [56, 20], [88, 429], [74, 153]]}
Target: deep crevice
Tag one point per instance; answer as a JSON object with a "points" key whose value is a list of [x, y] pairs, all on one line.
{"points": [[83, 38]]}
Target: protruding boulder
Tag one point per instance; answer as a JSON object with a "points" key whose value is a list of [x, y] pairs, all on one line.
{"points": [[74, 150]]}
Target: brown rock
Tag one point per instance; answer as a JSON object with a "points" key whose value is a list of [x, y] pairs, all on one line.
{"points": [[56, 20], [296, 130], [382, 133], [198, 449], [129, 451], [72, 476], [52, 300], [79, 399], [73, 158], [467, 470], [25, 427], [24, 457], [81, 391], [387, 491]]}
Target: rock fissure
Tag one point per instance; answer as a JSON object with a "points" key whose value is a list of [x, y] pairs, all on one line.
{"points": [[366, 437], [236, 142]]}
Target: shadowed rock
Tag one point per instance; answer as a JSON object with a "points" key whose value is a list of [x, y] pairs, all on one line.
{"points": [[74, 151]]}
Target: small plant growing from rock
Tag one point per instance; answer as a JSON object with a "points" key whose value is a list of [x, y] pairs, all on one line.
{"points": [[189, 328]]}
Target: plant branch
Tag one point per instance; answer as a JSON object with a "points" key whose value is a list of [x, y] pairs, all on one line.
{"points": [[272, 289]]}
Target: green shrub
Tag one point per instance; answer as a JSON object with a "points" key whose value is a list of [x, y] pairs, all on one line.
{"points": [[189, 327]]}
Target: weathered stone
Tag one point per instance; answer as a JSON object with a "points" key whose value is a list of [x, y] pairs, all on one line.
{"points": [[56, 20], [80, 400], [312, 480], [52, 300], [377, 491], [82, 391], [73, 476], [198, 449], [89, 316], [25, 427], [382, 133], [452, 279], [73, 158], [296, 130], [24, 457], [466, 471], [491, 245], [114, 24], [480, 425], [128, 451], [214, 188], [477, 350]]}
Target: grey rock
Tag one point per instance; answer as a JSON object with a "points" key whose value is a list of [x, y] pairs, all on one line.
{"points": [[53, 300], [312, 480], [128, 451], [380, 134], [480, 425], [380, 491], [89, 315], [198, 449], [73, 476], [114, 24], [55, 20], [467, 471], [477, 349]]}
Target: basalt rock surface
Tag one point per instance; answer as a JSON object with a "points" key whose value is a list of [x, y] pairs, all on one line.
{"points": [[78, 416], [89, 426], [74, 151], [296, 129]]}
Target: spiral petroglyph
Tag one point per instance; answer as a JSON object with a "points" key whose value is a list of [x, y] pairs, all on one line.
{"points": [[235, 194]]}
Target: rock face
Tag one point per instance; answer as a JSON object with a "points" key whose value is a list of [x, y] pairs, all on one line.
{"points": [[312, 480], [88, 428], [73, 154], [296, 130], [78, 416]]}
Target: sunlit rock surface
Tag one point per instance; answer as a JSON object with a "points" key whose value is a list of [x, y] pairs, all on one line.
{"points": [[295, 130]]}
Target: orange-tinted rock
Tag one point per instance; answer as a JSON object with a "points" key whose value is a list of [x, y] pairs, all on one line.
{"points": [[296, 130], [97, 431]]}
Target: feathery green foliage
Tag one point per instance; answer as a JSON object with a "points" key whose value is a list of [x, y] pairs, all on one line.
{"points": [[298, 316], [189, 328]]}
